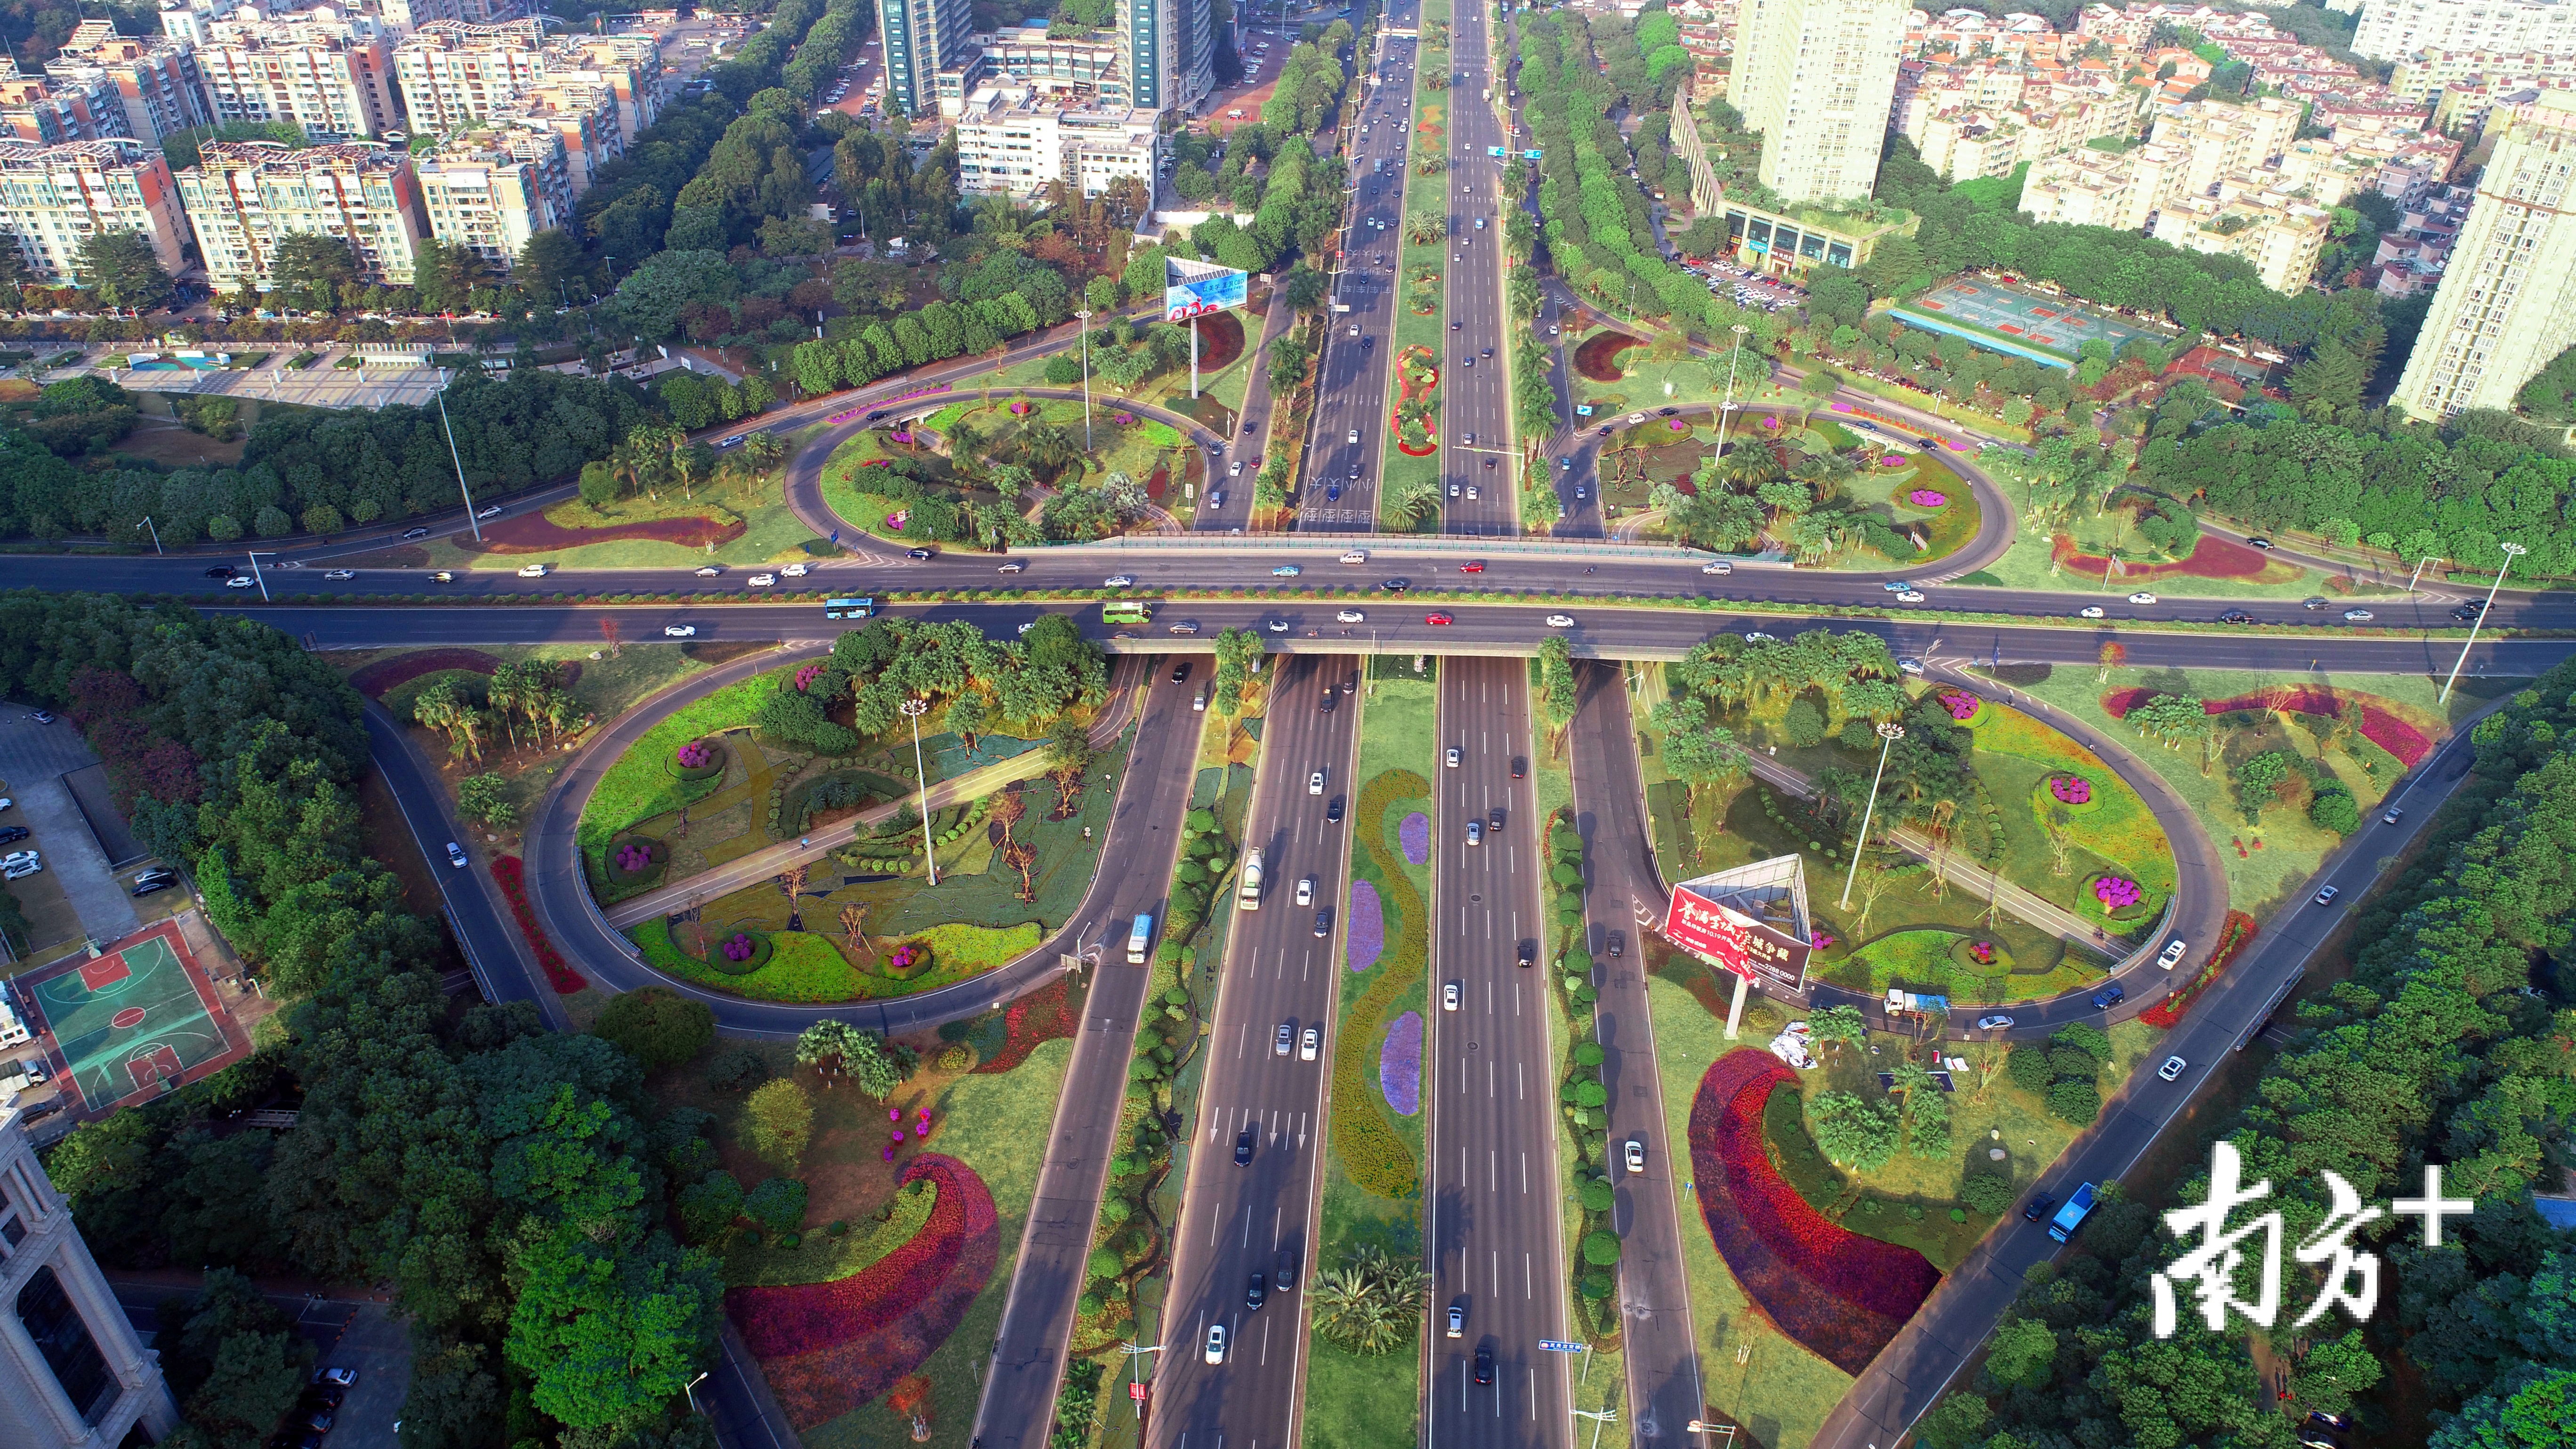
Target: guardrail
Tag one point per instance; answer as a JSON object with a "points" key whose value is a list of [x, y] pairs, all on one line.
{"points": [[473, 963]]}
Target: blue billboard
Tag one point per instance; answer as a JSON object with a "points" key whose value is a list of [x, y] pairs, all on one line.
{"points": [[1194, 289]]}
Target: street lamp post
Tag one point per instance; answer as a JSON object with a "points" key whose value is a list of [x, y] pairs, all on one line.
{"points": [[2512, 551], [1135, 1351], [156, 533], [1727, 412], [1598, 1418], [257, 575], [1085, 314], [458, 459], [2417, 576], [1888, 735], [913, 710], [691, 1389]]}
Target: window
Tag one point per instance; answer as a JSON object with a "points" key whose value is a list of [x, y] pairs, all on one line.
{"points": [[47, 1313]]}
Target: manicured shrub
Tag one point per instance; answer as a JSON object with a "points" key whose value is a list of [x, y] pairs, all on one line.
{"points": [[1598, 1196], [657, 1026], [2078, 1102], [737, 1068], [1601, 1249], [1986, 1192]]}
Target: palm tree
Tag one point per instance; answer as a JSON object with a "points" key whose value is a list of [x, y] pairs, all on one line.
{"points": [[763, 451]]}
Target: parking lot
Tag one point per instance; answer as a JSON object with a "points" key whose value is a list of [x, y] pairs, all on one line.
{"points": [[76, 893], [359, 1336]]}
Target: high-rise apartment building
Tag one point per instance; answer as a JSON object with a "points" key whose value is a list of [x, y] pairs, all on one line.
{"points": [[922, 37], [1011, 142], [2507, 303], [244, 197], [154, 76], [49, 110], [52, 196], [454, 75], [492, 190], [2395, 29], [1817, 78], [316, 69], [73, 1375], [1168, 50]]}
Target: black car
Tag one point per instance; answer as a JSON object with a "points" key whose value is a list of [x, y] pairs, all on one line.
{"points": [[1256, 1291], [2470, 610], [2037, 1207], [1330, 699], [1529, 952], [2110, 997], [1618, 945], [1323, 923], [222, 571], [327, 1396], [1397, 586], [916, 553], [415, 533], [1494, 818], [1484, 1363], [1243, 1148], [1520, 766], [1181, 672], [2259, 542], [1368, 344], [12, 833], [2236, 616], [319, 1421], [1333, 812]]}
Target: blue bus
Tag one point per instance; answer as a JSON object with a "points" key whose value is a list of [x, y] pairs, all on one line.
{"points": [[849, 608], [1139, 937], [2071, 1216]]}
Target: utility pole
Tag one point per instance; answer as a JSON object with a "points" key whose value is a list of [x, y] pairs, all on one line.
{"points": [[453, 456], [156, 533], [256, 574], [1727, 412], [2512, 551], [1888, 735], [1134, 1352], [913, 709], [1084, 313]]}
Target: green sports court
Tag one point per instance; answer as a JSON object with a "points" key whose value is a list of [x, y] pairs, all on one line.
{"points": [[133, 1021]]}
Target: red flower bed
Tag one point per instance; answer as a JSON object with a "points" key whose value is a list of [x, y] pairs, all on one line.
{"points": [[509, 873], [535, 533], [1220, 341], [2231, 939], [828, 1348], [1598, 359], [1840, 1295], [1042, 1015], [386, 675], [2379, 724], [2211, 558]]}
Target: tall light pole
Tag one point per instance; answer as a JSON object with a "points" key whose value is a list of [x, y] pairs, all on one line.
{"points": [[1135, 1351], [257, 575], [156, 533], [2418, 575], [1598, 1419], [1085, 314], [691, 1389], [913, 710], [453, 456], [2512, 551], [1727, 412], [1888, 735]]}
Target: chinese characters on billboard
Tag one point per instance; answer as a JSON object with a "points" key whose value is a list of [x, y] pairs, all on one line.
{"points": [[1734, 942]]}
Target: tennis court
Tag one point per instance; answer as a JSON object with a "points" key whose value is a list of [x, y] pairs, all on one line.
{"points": [[132, 1020], [2048, 324]]}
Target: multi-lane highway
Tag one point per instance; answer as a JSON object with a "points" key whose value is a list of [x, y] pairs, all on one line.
{"points": [[1494, 1199], [1253, 1184], [1476, 454]]}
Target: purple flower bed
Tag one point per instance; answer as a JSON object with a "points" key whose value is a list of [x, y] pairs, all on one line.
{"points": [[1961, 704], [806, 675], [1677, 425], [1819, 940], [696, 755], [2071, 789], [1891, 461], [1128, 419], [2115, 893], [633, 857], [904, 436], [1367, 933], [738, 947], [1415, 835], [1399, 1064], [1927, 498]]}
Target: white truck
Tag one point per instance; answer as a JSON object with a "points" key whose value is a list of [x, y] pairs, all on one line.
{"points": [[1247, 891]]}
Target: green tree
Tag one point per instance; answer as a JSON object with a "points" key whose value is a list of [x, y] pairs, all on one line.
{"points": [[454, 1402], [484, 800], [1855, 1133], [606, 1338], [657, 1026], [778, 1122], [709, 1208], [120, 270], [778, 1204], [254, 1381], [2023, 1354]]}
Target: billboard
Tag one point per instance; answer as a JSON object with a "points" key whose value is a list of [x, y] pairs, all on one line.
{"points": [[1194, 289], [1734, 942]]}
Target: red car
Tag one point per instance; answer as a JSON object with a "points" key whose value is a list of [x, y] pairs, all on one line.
{"points": [[1476, 566], [1440, 618]]}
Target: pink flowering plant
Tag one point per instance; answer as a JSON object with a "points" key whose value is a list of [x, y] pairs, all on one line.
{"points": [[1962, 705], [2071, 789], [806, 675], [2116, 893], [695, 755], [738, 947], [1927, 498]]}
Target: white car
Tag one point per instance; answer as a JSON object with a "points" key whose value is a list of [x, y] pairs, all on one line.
{"points": [[1306, 891], [1457, 1322], [2171, 1069], [2356, 616], [2142, 598], [241, 581], [1309, 1044], [1560, 621], [532, 571], [336, 574], [2090, 611], [1286, 571], [456, 855], [708, 571], [1993, 1023], [1355, 556], [679, 631], [1451, 757], [1909, 665], [1635, 1153], [1216, 1343], [1448, 996], [796, 571], [1119, 581], [1315, 783], [1350, 616], [1472, 495], [21, 872], [1719, 567], [761, 581], [17, 858], [2172, 956]]}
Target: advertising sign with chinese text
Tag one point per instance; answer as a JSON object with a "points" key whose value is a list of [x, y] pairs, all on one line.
{"points": [[1734, 942]]}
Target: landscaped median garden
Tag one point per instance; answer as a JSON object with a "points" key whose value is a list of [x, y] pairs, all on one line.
{"points": [[793, 752], [866, 1198], [1982, 792], [1408, 482], [1367, 1289]]}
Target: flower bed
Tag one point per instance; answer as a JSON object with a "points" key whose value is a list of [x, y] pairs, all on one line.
{"points": [[698, 760], [1981, 957], [2070, 789], [1927, 499], [2232, 937], [2116, 894], [512, 878], [2052, 795], [1042, 1015], [636, 861], [1378, 1161], [1840, 1295], [2380, 724], [907, 960], [1399, 1064], [1415, 378], [1597, 360], [739, 951], [828, 1348], [2211, 558], [1963, 706], [1366, 935], [1415, 835]]}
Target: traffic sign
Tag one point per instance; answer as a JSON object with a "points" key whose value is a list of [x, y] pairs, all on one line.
{"points": [[1136, 1392], [1532, 155], [1493, 150], [1559, 1345], [1583, 410]]}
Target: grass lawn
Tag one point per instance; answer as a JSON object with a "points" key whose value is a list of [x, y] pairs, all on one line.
{"points": [[2268, 860], [1353, 1402], [772, 532], [641, 785], [2031, 564]]}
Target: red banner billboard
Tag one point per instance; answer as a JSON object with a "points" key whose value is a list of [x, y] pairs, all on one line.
{"points": [[1732, 941]]}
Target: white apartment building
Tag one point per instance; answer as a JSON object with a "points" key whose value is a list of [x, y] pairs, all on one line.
{"points": [[492, 190], [2421, 77], [1983, 120], [154, 77], [1817, 78], [1078, 72], [52, 196], [2279, 235], [73, 1375], [2507, 303], [452, 74], [2394, 29], [49, 110], [1010, 144], [328, 73], [243, 197], [583, 115]]}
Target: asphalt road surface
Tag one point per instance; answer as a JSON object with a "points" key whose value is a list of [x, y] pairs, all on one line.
{"points": [[1253, 1182], [1135, 879], [1495, 1199]]}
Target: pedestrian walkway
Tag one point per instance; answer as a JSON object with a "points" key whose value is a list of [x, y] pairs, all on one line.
{"points": [[2002, 894]]}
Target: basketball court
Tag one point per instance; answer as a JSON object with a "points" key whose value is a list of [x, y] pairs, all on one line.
{"points": [[136, 1021], [2049, 325]]}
